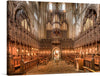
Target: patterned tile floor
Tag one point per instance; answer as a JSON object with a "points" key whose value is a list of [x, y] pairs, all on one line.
{"points": [[53, 68]]}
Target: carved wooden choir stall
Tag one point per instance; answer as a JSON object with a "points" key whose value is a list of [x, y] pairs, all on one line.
{"points": [[25, 49]]}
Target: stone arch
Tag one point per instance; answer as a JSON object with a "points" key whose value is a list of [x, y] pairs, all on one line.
{"points": [[23, 6], [48, 26], [67, 28], [87, 11], [56, 48], [92, 7], [64, 26]]}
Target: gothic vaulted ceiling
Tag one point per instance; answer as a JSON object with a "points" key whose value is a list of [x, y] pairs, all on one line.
{"points": [[40, 13]]}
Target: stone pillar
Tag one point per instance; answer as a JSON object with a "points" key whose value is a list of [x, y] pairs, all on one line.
{"points": [[98, 20], [98, 15]]}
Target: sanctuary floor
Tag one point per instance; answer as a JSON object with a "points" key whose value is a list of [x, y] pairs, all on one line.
{"points": [[53, 68]]}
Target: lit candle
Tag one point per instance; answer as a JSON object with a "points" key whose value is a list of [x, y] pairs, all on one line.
{"points": [[28, 54]]}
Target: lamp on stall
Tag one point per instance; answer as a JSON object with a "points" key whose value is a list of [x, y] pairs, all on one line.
{"points": [[32, 48], [17, 51], [32, 54], [26, 51], [86, 52], [22, 50], [95, 50], [80, 52], [83, 53], [22, 53], [28, 54], [90, 50]]}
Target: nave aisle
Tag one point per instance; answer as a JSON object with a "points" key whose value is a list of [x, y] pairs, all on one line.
{"points": [[53, 68]]}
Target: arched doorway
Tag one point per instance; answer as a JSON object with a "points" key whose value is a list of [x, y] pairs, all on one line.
{"points": [[56, 53]]}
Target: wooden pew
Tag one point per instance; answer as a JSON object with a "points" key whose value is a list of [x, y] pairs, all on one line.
{"points": [[92, 62], [23, 64], [88, 61], [97, 59], [16, 62], [44, 59], [69, 58], [97, 62], [29, 62]]}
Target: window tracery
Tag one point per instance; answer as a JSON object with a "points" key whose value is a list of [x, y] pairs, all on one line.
{"points": [[22, 19], [91, 18]]}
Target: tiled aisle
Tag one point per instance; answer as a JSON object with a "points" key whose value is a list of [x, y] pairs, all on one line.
{"points": [[52, 68]]}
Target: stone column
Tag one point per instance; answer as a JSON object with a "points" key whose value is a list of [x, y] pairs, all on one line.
{"points": [[98, 20], [98, 15]]}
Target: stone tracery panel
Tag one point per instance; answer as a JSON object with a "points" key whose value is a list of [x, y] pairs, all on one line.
{"points": [[64, 26], [48, 26]]}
